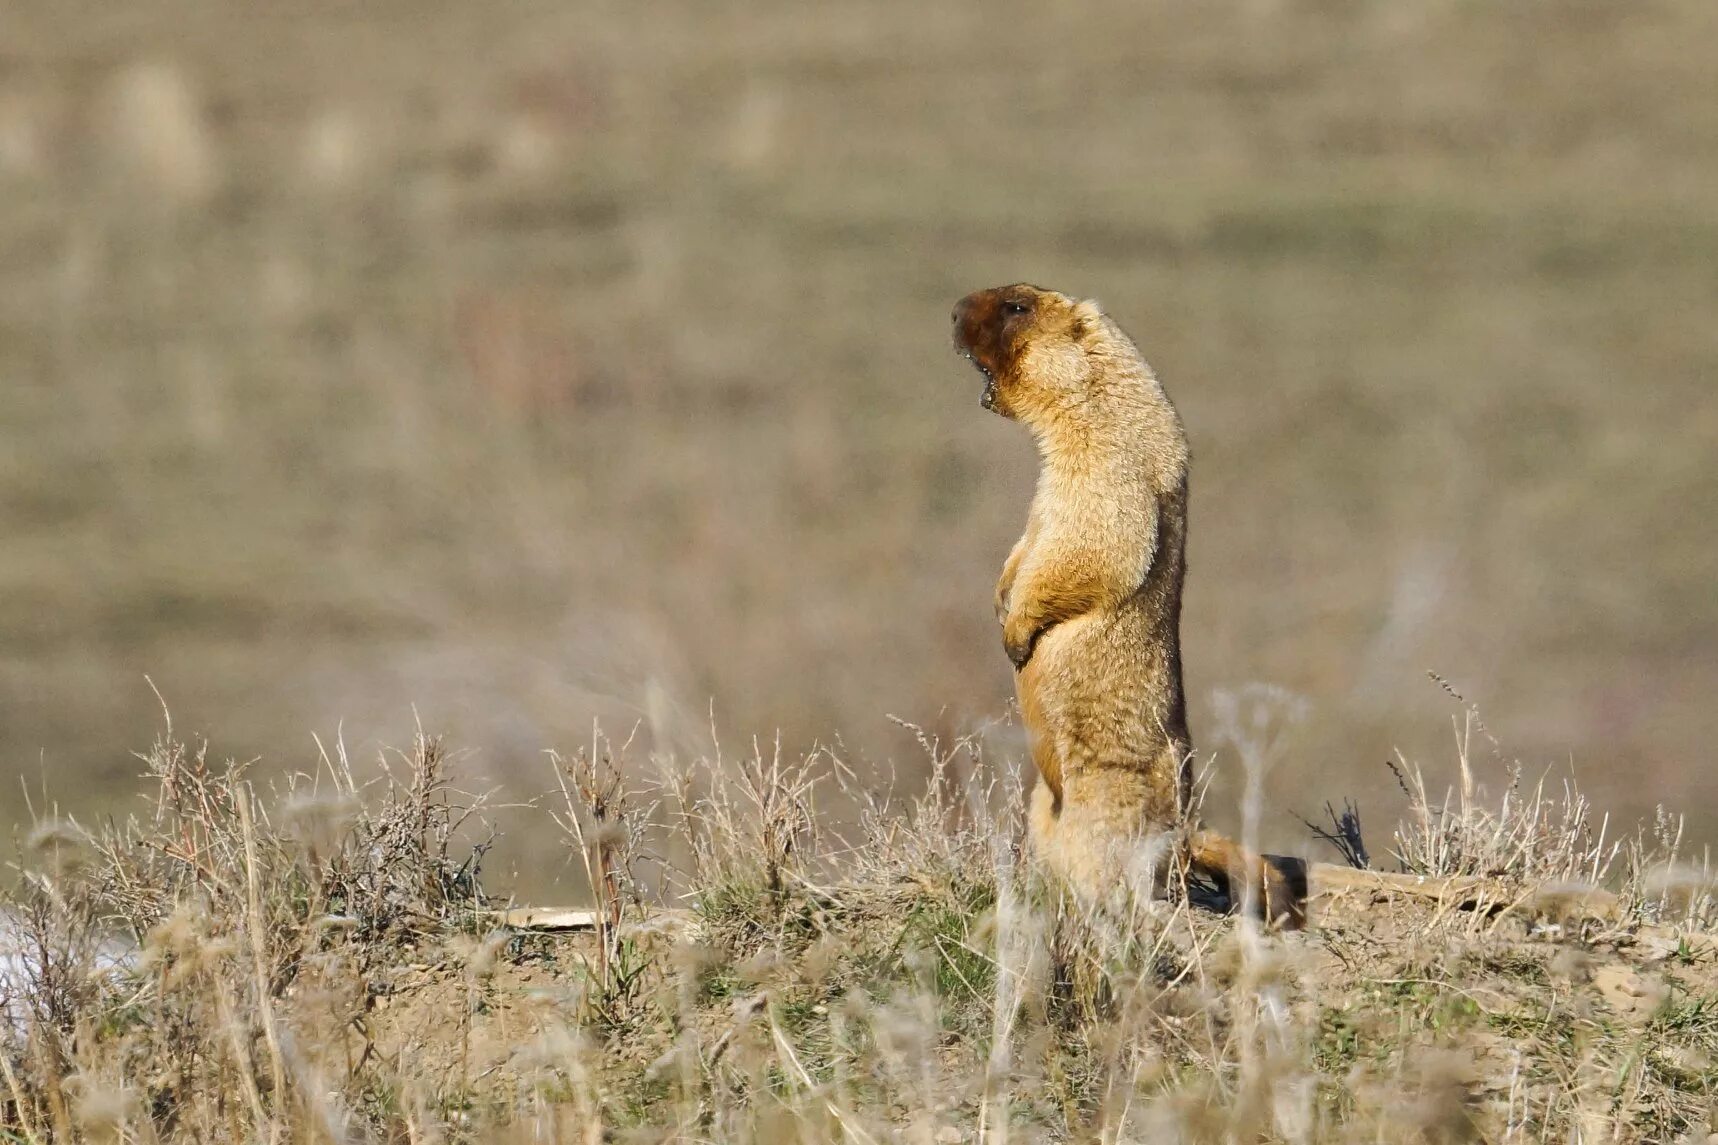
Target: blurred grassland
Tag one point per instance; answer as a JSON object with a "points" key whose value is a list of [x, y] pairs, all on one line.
{"points": [[532, 363]]}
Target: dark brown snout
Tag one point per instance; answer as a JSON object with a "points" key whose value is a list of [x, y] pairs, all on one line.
{"points": [[961, 310], [976, 343]]}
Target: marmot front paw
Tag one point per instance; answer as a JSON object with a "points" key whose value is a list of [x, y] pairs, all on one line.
{"points": [[1019, 638]]}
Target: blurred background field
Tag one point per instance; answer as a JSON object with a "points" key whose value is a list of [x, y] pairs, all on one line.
{"points": [[538, 363]]}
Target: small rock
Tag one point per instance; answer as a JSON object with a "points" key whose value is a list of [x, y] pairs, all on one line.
{"points": [[1629, 994]]}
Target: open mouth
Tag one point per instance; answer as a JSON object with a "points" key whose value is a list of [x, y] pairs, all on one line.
{"points": [[988, 398]]}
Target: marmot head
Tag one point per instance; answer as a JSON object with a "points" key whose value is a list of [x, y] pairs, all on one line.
{"points": [[1033, 346]]}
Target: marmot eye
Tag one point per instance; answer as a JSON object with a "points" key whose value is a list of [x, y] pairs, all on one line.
{"points": [[1011, 307]]}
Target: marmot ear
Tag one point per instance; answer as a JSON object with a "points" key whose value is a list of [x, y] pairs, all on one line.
{"points": [[1088, 316]]}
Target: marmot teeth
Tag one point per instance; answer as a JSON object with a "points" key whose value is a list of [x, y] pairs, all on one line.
{"points": [[987, 398]]}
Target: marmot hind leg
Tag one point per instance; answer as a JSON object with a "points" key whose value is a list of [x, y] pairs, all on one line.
{"points": [[1096, 853], [1097, 849]]}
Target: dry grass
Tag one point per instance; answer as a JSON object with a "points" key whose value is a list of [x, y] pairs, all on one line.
{"points": [[537, 362], [317, 964]]}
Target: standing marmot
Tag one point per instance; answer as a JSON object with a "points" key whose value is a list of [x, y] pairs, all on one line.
{"points": [[1090, 598]]}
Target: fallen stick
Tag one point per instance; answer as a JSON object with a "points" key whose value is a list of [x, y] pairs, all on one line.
{"points": [[1468, 892], [544, 918], [563, 920]]}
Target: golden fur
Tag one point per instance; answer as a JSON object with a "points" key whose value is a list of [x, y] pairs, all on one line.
{"points": [[1090, 598]]}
